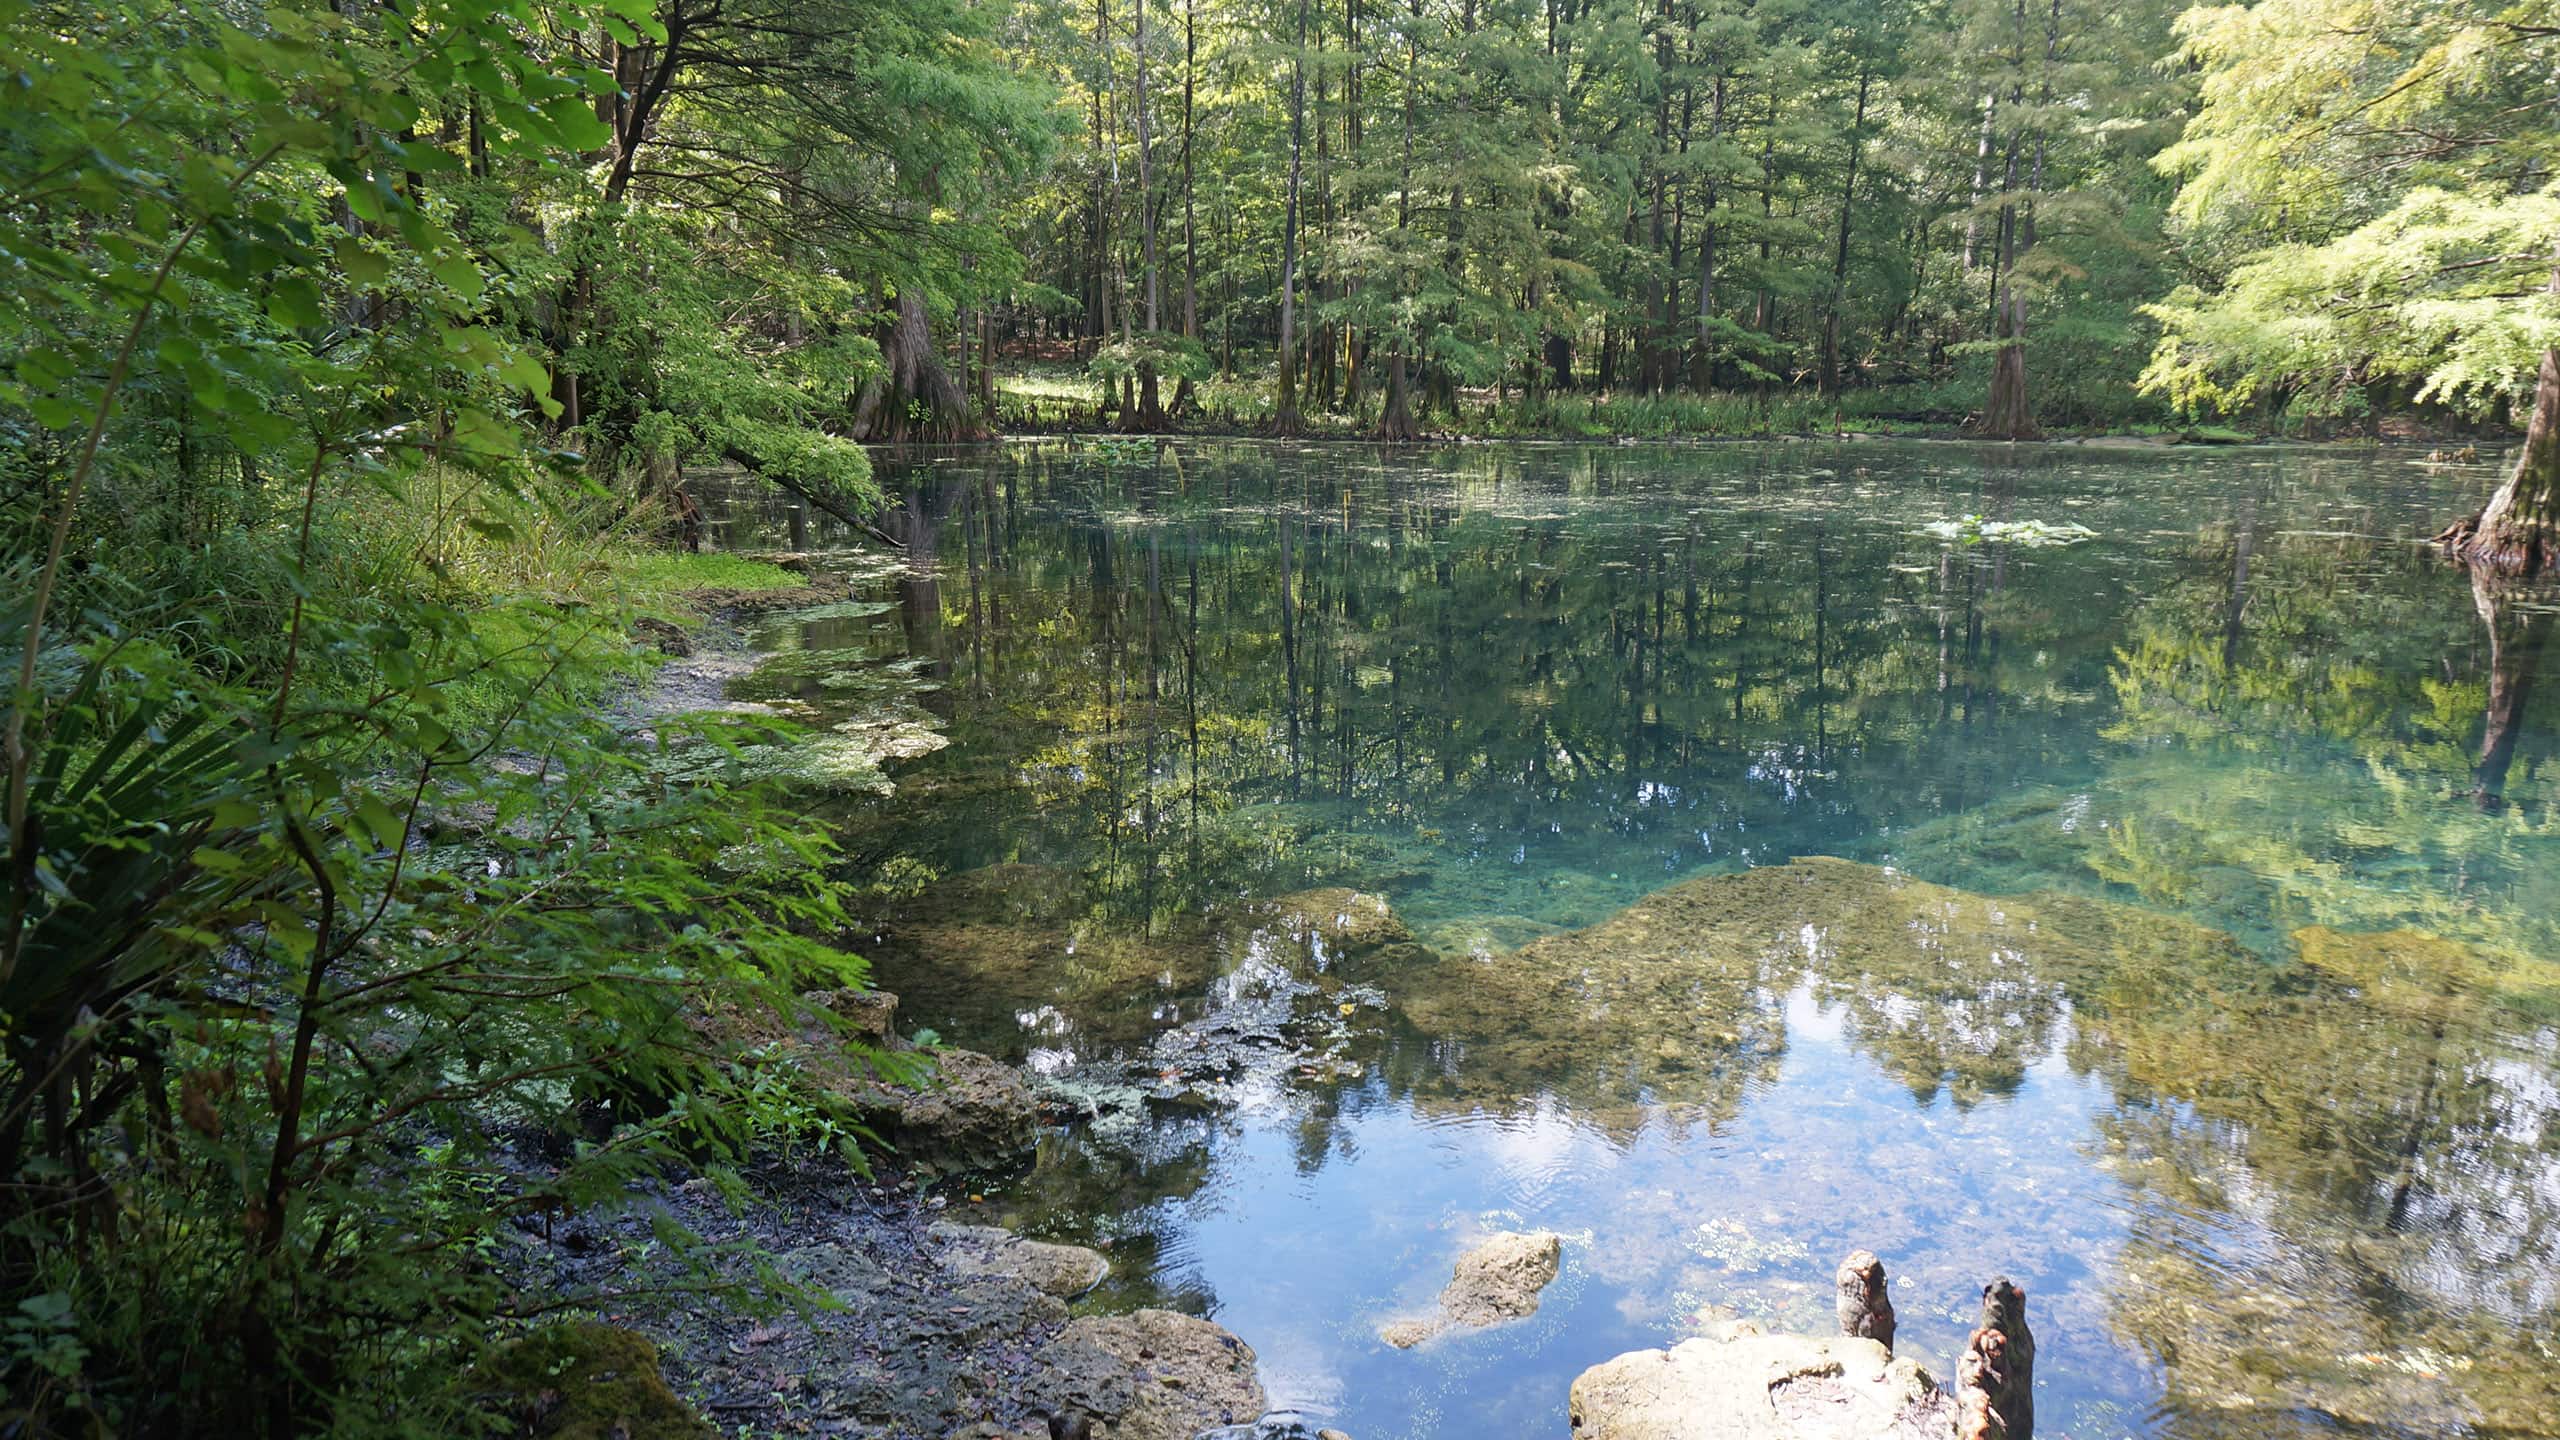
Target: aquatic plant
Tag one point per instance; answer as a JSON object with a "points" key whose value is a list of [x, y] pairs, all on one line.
{"points": [[1974, 530]]}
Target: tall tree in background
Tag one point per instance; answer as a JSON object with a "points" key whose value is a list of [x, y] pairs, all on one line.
{"points": [[1629, 196], [839, 128], [2377, 182], [1285, 419]]}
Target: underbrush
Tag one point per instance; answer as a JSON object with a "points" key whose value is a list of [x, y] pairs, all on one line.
{"points": [[349, 889]]}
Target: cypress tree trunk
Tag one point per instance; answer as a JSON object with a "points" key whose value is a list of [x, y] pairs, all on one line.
{"points": [[1284, 411], [914, 397], [1840, 255], [2006, 415], [1182, 395], [1397, 423], [1150, 403], [2518, 531], [1703, 363]]}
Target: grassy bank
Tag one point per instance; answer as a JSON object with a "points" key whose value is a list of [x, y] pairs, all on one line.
{"points": [[1056, 397], [1060, 398]]}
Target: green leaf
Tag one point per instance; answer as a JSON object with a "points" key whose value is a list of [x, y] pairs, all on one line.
{"points": [[364, 267], [458, 274]]}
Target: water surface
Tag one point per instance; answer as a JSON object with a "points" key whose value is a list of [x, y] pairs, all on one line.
{"points": [[2232, 1035]]}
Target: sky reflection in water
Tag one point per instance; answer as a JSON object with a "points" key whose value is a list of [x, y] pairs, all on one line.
{"points": [[2265, 1168]]}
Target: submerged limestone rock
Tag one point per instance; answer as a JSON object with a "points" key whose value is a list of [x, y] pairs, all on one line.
{"points": [[1741, 1384], [1680, 998], [1148, 1375], [1335, 929], [587, 1381], [1065, 1271], [1496, 1281], [976, 952], [2375, 1104], [1279, 1426], [1009, 958]]}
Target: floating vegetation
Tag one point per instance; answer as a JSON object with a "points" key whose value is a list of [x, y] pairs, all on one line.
{"points": [[1974, 530], [1117, 450]]}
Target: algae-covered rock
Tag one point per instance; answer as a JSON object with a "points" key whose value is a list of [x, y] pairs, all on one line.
{"points": [[1065, 1271], [1496, 1281], [1334, 928], [1680, 998], [974, 953], [1149, 1375], [1744, 1385], [586, 1381], [2371, 1108]]}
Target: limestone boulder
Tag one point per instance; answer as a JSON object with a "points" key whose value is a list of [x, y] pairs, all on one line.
{"points": [[1498, 1280], [1148, 1375], [974, 1113], [1740, 1384], [1065, 1271]]}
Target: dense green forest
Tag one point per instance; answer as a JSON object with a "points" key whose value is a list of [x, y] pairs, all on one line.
{"points": [[356, 355]]}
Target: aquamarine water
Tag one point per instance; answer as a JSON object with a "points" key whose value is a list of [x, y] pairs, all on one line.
{"points": [[2294, 1169]]}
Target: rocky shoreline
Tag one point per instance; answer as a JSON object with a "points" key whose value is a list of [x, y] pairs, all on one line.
{"points": [[912, 1326], [904, 1324]]}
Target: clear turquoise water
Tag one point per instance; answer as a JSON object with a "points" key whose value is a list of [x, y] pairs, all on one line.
{"points": [[2310, 1188]]}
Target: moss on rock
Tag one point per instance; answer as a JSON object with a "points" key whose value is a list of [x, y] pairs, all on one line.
{"points": [[586, 1381]]}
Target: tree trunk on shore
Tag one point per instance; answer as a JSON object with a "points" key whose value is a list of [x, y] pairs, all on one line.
{"points": [[2518, 532], [2006, 414], [1284, 410], [914, 397], [1396, 424], [1150, 402]]}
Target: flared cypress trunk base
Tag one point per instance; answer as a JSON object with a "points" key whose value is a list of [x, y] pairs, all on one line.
{"points": [[2006, 415], [914, 398], [1396, 425], [1285, 420], [2518, 532], [1149, 415]]}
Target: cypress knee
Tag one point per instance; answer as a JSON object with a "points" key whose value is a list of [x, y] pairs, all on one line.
{"points": [[1995, 1381], [1865, 1309]]}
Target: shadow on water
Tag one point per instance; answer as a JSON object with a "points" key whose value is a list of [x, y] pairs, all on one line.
{"points": [[2191, 954]]}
